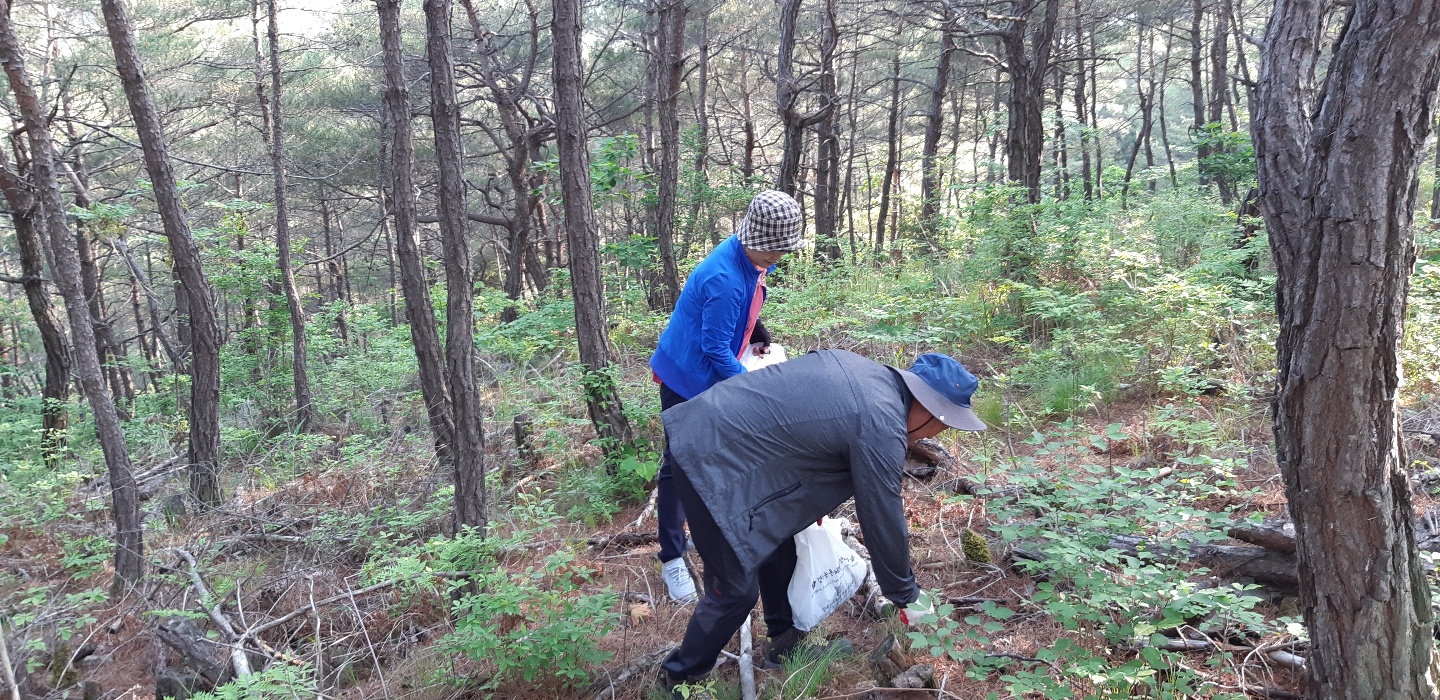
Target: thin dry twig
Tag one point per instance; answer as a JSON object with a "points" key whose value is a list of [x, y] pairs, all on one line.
{"points": [[6, 668]]}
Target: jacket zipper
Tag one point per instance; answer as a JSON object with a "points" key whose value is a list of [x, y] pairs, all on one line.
{"points": [[772, 497]]}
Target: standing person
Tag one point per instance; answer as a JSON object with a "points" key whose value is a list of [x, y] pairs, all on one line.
{"points": [[760, 457], [715, 319]]}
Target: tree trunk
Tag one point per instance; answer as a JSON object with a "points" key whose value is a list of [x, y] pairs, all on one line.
{"points": [[304, 406], [1197, 85], [469, 414], [112, 351], [195, 289], [702, 146], [602, 397], [1338, 183], [670, 70], [25, 213], [787, 102], [335, 264], [930, 177], [1435, 189], [112, 357], [1062, 149], [827, 142], [1027, 46], [1146, 96], [521, 145], [1080, 111], [129, 548], [418, 308], [892, 158]]}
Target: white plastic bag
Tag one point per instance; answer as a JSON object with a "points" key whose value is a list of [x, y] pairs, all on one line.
{"points": [[827, 573], [751, 361]]}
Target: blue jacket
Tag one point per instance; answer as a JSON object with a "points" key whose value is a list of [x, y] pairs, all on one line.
{"points": [[707, 329]]}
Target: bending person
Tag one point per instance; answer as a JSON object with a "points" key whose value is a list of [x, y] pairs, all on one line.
{"points": [[762, 456]]}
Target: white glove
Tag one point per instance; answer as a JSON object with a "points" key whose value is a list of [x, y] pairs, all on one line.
{"points": [[913, 613]]}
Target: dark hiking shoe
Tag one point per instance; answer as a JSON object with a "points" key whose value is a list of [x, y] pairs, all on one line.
{"points": [[791, 644]]}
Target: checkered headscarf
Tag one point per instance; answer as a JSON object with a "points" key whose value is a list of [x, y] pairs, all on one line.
{"points": [[773, 223]]}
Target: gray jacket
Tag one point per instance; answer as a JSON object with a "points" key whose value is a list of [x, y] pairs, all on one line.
{"points": [[771, 451]]}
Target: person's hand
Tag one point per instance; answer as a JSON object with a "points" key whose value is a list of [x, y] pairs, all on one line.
{"points": [[760, 338], [912, 614]]}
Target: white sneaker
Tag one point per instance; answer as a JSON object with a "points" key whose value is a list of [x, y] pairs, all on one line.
{"points": [[678, 581]]}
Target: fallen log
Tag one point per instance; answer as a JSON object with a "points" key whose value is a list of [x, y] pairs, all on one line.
{"points": [[624, 540], [1260, 564], [195, 651], [926, 458], [1271, 534]]}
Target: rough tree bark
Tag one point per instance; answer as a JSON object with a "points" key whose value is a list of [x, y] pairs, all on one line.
{"points": [[602, 397], [827, 141], [304, 406], [26, 216], [787, 102], [195, 289], [421, 313], [930, 175], [1337, 174], [892, 158], [469, 446], [1027, 45], [129, 548], [670, 71]]}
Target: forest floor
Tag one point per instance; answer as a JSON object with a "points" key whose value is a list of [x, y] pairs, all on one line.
{"points": [[299, 550]]}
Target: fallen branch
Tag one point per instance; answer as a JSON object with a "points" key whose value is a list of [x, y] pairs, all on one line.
{"points": [[637, 597], [747, 665], [1027, 659], [238, 659], [875, 602], [1288, 660], [7, 669], [648, 510], [347, 595], [181, 635], [1183, 644], [605, 689], [1265, 691], [926, 458], [622, 540]]}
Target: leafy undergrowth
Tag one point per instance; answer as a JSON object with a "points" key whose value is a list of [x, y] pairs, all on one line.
{"points": [[1127, 402]]}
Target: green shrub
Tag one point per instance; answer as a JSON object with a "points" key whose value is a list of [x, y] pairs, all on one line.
{"points": [[537, 622], [280, 681]]}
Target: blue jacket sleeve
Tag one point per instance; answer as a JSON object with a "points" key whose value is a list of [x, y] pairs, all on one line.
{"points": [[719, 316], [876, 469]]}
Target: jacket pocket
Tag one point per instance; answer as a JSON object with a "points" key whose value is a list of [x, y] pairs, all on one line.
{"points": [[792, 488]]}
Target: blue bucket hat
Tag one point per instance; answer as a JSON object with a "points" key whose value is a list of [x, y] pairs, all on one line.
{"points": [[944, 387]]}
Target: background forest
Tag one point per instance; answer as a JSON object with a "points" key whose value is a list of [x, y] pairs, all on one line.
{"points": [[363, 407]]}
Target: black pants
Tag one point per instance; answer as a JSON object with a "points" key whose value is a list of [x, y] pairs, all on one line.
{"points": [[720, 613], [669, 514]]}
